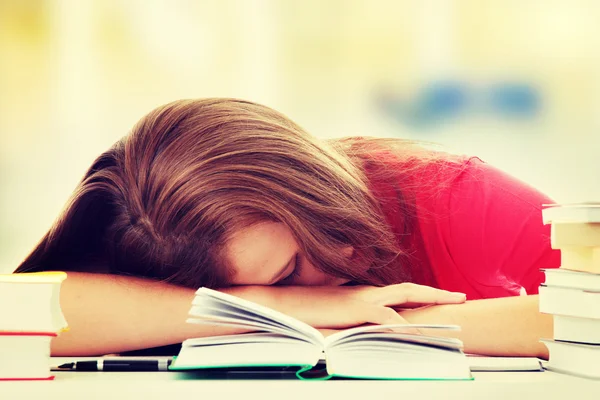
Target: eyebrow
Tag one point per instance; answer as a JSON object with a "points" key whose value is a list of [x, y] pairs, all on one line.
{"points": [[283, 271]]}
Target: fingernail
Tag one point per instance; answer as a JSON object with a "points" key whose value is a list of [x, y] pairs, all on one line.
{"points": [[459, 295]]}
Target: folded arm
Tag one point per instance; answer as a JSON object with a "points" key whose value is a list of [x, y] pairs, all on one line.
{"points": [[510, 326], [112, 314]]}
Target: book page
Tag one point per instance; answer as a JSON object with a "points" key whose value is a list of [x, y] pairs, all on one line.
{"points": [[259, 337], [251, 326], [413, 329], [224, 310], [482, 363], [212, 304], [34, 277], [387, 341]]}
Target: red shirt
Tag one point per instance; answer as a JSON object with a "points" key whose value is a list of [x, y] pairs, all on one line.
{"points": [[478, 231]]}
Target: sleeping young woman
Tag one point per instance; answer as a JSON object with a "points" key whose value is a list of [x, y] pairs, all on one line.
{"points": [[233, 195]]}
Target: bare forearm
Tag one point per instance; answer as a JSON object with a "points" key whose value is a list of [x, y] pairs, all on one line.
{"points": [[509, 326], [111, 314]]}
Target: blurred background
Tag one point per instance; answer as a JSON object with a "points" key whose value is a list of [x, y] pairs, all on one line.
{"points": [[515, 82]]}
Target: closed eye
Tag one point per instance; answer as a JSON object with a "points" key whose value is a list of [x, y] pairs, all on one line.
{"points": [[292, 275]]}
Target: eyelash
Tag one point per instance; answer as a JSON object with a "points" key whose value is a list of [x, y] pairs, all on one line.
{"points": [[295, 272]]}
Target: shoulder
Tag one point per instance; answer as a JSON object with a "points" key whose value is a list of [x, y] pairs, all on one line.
{"points": [[480, 228], [481, 177], [489, 224], [388, 161], [436, 180], [458, 182]]}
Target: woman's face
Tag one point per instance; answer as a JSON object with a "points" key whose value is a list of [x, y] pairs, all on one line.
{"points": [[267, 254]]}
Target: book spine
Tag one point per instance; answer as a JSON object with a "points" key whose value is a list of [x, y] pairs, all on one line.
{"points": [[579, 258], [574, 235], [15, 333], [47, 378]]}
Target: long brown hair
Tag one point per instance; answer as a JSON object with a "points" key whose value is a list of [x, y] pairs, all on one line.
{"points": [[162, 202]]}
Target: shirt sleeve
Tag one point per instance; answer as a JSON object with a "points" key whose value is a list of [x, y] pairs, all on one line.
{"points": [[495, 235]]}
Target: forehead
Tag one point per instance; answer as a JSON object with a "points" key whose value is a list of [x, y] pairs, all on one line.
{"points": [[257, 253]]}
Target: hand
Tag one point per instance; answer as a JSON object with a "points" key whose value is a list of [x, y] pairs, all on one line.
{"points": [[337, 307], [407, 295]]}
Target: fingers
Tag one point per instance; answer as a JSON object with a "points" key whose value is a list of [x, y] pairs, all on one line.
{"points": [[387, 316], [362, 312], [407, 294], [383, 316]]}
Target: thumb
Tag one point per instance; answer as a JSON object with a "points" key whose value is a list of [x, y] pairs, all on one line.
{"points": [[389, 316], [385, 316]]}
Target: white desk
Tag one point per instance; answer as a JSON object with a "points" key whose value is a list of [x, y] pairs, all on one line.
{"points": [[169, 385]]}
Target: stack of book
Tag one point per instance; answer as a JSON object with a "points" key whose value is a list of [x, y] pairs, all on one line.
{"points": [[571, 293], [30, 316]]}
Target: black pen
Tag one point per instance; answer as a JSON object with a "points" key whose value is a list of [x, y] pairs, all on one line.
{"points": [[118, 365]]}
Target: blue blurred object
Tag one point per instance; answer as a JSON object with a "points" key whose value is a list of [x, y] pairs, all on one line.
{"points": [[514, 100], [441, 100], [445, 100]]}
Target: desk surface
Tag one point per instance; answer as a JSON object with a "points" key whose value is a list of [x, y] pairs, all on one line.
{"points": [[171, 385]]}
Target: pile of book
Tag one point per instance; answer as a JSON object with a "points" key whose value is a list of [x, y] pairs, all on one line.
{"points": [[30, 316], [571, 293]]}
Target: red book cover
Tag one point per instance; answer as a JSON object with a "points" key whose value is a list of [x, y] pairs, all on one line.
{"points": [[49, 378], [51, 334], [28, 333]]}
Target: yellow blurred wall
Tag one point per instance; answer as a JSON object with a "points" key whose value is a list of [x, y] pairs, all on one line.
{"points": [[76, 75]]}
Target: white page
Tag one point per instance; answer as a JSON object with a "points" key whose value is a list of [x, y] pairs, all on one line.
{"points": [[385, 328], [261, 337], [242, 304], [204, 311], [481, 363], [393, 339], [236, 323]]}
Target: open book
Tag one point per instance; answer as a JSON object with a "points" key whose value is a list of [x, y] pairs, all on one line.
{"points": [[276, 339]]}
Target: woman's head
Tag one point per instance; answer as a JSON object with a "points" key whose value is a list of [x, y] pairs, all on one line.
{"points": [[221, 191]]}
